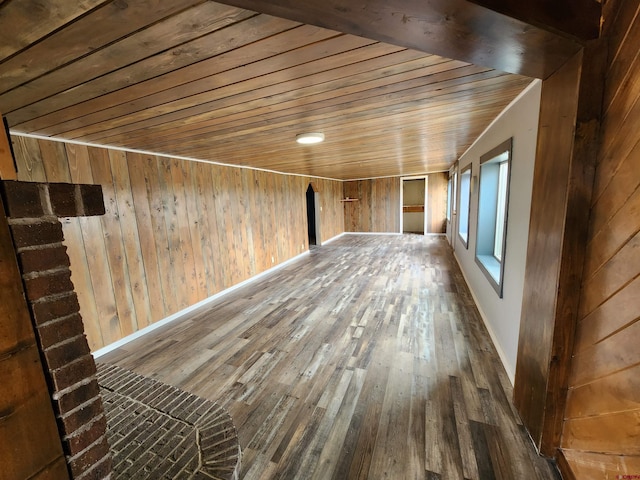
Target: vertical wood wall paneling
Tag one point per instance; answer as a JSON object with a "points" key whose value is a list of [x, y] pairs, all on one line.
{"points": [[332, 216], [182, 192], [95, 249], [377, 208], [174, 233], [54, 164], [378, 205], [159, 230], [603, 404], [215, 236], [193, 224], [147, 244], [29, 159], [113, 239], [548, 229], [174, 245], [437, 202], [131, 238]]}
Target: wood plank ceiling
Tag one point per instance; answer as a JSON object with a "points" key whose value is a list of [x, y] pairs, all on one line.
{"points": [[218, 83]]}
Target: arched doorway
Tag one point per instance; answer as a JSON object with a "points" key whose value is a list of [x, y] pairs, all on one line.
{"points": [[313, 216]]}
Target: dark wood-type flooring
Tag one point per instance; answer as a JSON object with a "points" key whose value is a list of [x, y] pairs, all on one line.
{"points": [[366, 359]]}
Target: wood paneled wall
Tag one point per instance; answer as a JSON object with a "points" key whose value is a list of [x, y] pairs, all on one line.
{"points": [[377, 208], [437, 202], [175, 232], [603, 407]]}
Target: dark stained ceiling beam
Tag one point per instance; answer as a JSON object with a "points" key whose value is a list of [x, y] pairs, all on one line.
{"points": [[577, 18], [457, 29]]}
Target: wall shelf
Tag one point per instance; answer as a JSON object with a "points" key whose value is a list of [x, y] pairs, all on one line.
{"points": [[413, 208]]}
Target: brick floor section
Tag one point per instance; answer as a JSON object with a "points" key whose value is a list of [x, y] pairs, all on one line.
{"points": [[157, 431]]}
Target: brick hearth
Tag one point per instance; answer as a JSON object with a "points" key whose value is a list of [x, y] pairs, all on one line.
{"points": [[157, 431]]}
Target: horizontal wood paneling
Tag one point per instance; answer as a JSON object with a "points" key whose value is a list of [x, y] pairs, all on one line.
{"points": [[615, 434], [608, 356], [175, 232], [215, 82], [594, 466], [605, 396], [603, 409]]}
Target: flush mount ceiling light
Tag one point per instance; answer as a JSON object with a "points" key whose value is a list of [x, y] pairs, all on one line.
{"points": [[310, 138]]}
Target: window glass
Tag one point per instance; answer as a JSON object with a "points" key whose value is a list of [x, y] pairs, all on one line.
{"points": [[493, 208], [465, 194], [501, 209], [449, 200]]}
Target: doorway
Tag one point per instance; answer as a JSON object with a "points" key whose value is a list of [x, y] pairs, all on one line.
{"points": [[413, 200], [311, 216]]}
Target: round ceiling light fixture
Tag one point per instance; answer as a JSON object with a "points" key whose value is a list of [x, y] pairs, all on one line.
{"points": [[310, 138]]}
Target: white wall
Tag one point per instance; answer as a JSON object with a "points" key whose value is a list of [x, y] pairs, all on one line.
{"points": [[502, 315]]}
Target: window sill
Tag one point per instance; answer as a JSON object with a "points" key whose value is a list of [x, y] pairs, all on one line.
{"points": [[492, 270]]}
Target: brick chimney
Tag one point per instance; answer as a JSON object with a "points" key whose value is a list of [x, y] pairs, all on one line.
{"points": [[33, 210]]}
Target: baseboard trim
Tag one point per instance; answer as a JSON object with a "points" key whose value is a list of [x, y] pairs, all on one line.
{"points": [[372, 233], [503, 358], [333, 239], [171, 318]]}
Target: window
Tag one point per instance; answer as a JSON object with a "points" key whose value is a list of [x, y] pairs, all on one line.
{"points": [[449, 192], [465, 195], [454, 194], [493, 204], [501, 209]]}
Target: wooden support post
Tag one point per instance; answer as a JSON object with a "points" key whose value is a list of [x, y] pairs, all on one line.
{"points": [[565, 164], [8, 169]]}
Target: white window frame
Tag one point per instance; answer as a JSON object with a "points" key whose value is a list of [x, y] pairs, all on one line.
{"points": [[449, 200], [493, 213], [464, 215]]}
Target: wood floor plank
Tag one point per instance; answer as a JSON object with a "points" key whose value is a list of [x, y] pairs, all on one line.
{"points": [[364, 360]]}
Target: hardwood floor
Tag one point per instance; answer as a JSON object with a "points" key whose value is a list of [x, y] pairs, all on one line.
{"points": [[365, 360]]}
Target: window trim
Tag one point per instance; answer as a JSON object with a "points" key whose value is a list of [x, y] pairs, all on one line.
{"points": [[492, 267], [449, 200], [466, 171]]}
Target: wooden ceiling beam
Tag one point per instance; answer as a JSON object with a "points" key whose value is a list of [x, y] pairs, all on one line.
{"points": [[457, 29], [577, 18]]}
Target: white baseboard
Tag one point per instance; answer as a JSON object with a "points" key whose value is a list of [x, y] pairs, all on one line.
{"points": [[333, 239], [503, 357], [161, 323], [372, 233]]}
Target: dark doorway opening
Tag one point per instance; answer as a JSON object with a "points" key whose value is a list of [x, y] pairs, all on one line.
{"points": [[311, 215]]}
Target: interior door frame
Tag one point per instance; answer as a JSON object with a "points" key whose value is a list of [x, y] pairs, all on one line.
{"points": [[317, 209], [426, 190]]}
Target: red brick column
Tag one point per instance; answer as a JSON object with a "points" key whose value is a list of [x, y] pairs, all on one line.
{"points": [[33, 210]]}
